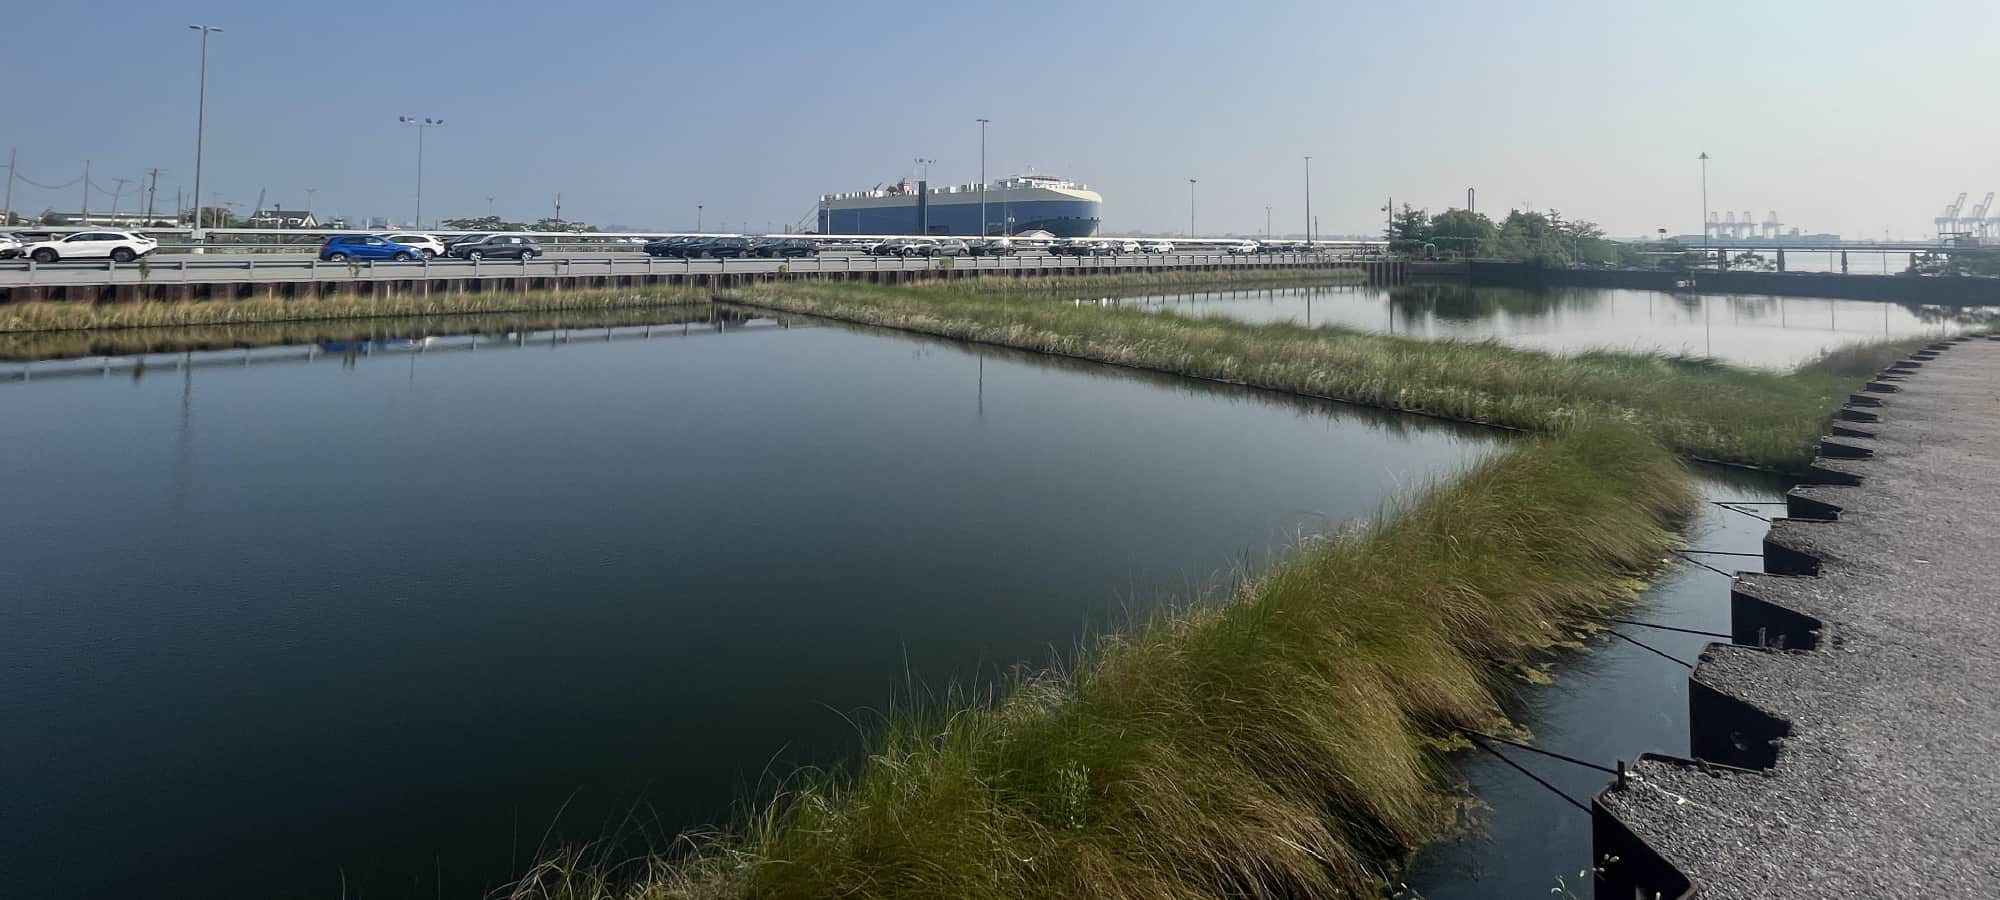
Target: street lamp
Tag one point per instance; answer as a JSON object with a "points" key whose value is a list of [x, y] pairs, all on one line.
{"points": [[1704, 201], [200, 118], [982, 176], [421, 125], [1309, 202], [697, 218], [1267, 223], [1191, 208], [309, 198]]}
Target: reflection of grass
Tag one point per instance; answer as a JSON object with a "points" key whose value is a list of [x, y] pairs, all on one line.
{"points": [[1287, 743], [37, 345], [1068, 286], [58, 315], [1699, 408]]}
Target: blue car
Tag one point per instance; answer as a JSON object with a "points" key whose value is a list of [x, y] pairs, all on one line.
{"points": [[343, 247]]}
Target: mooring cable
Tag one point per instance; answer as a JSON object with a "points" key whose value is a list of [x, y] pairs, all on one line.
{"points": [[1531, 776], [1752, 502], [1722, 552], [1650, 649], [1715, 634], [1548, 753], [1743, 512], [1689, 559]]}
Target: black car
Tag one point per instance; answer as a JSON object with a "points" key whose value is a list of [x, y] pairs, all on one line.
{"points": [[773, 248], [671, 247], [495, 246], [720, 248]]}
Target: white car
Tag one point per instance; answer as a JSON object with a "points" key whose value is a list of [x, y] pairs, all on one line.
{"points": [[1243, 247], [1127, 247], [429, 246], [1160, 247], [118, 246], [10, 246]]}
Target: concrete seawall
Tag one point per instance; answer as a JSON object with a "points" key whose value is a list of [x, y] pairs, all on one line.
{"points": [[1844, 742], [1941, 291], [163, 282]]}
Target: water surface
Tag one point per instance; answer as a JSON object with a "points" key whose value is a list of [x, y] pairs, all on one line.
{"points": [[366, 615], [1757, 330]]}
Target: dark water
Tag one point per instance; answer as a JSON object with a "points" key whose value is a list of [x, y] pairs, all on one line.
{"points": [[1777, 332], [373, 614], [1613, 702]]}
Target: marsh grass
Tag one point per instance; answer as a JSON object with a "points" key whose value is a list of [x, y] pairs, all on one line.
{"points": [[1290, 741], [1698, 407], [26, 346], [70, 316]]}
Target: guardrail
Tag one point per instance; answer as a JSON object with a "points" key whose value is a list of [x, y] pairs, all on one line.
{"points": [[194, 270]]}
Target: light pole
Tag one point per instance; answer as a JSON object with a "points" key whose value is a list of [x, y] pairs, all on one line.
{"points": [[982, 176], [421, 125], [309, 198], [1267, 223], [200, 118], [697, 218], [1309, 202], [1704, 202], [1191, 208]]}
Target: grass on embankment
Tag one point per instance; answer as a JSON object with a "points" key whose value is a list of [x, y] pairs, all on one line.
{"points": [[1290, 742], [68, 315], [1696, 407]]}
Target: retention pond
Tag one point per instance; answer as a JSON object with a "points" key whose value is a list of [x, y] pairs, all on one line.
{"points": [[365, 617]]}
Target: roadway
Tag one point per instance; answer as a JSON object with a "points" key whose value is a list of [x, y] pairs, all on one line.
{"points": [[270, 268]]}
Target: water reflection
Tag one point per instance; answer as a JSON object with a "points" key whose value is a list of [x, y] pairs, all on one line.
{"points": [[1757, 330]]}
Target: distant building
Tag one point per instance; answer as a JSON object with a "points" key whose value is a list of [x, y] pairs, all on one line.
{"points": [[284, 218], [120, 220]]}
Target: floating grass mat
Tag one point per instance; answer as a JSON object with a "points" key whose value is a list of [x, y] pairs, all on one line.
{"points": [[1291, 740], [1697, 407], [66, 315]]}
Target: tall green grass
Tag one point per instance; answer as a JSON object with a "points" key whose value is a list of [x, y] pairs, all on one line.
{"points": [[72, 315], [1288, 742], [1697, 407]]}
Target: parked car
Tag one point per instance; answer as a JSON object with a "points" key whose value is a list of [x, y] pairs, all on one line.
{"points": [[1243, 247], [773, 248], [497, 246], [343, 247], [722, 248], [117, 246], [1160, 247], [1070, 247], [669, 246], [426, 245], [1128, 247], [464, 238], [10, 246], [886, 247], [994, 247], [951, 247], [913, 247]]}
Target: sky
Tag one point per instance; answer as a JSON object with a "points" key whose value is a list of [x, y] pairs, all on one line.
{"points": [[1840, 116]]}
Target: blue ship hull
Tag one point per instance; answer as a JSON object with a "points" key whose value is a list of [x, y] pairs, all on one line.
{"points": [[1062, 218]]}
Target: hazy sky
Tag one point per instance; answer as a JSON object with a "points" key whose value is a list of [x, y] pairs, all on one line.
{"points": [[1842, 116]]}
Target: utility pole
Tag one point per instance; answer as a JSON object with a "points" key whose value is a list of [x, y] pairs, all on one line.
{"points": [[1471, 206], [982, 176], [83, 215], [1309, 202], [120, 183], [559, 210], [152, 191], [200, 119], [1267, 223], [489, 206], [1191, 207], [7, 206]]}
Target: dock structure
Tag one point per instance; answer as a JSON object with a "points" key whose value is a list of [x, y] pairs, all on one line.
{"points": [[1844, 742], [187, 278]]}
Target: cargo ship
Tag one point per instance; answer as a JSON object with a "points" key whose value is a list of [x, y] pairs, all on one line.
{"points": [[1014, 205]]}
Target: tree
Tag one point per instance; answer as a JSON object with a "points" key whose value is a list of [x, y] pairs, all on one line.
{"points": [[1530, 237], [1409, 230], [548, 223], [484, 223], [213, 217], [1463, 232]]}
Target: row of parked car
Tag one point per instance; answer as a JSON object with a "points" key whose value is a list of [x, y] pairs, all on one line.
{"points": [[697, 247], [410, 247]]}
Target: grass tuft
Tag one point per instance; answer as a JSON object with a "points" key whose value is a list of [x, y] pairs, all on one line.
{"points": [[1698, 407], [1288, 741]]}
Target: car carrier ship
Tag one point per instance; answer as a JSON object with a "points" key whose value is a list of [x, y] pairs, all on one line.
{"points": [[1014, 205]]}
